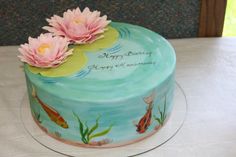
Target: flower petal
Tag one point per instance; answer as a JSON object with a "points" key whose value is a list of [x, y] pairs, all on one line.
{"points": [[78, 27]]}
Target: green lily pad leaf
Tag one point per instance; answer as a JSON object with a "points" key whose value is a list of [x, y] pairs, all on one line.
{"points": [[78, 59], [110, 37], [74, 63]]}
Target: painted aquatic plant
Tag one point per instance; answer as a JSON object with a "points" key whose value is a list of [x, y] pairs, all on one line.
{"points": [[87, 133], [162, 114], [57, 134], [37, 116]]}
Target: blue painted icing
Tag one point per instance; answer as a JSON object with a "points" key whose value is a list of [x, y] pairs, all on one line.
{"points": [[113, 85]]}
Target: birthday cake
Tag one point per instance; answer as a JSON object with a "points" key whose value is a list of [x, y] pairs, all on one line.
{"points": [[96, 83]]}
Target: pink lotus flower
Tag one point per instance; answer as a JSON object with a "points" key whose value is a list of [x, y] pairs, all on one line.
{"points": [[45, 51], [78, 27]]}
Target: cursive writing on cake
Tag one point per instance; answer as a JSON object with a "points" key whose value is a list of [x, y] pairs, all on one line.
{"points": [[119, 65], [121, 56]]}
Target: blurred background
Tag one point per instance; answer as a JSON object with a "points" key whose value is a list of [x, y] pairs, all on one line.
{"points": [[230, 19], [20, 19]]}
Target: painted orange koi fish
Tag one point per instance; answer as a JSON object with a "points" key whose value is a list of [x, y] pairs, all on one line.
{"points": [[145, 121], [52, 113]]}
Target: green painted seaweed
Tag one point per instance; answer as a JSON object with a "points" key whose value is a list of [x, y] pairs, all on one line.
{"points": [[87, 133], [57, 134], [37, 116], [162, 114]]}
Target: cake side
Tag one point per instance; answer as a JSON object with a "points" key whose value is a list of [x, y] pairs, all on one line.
{"points": [[120, 122]]}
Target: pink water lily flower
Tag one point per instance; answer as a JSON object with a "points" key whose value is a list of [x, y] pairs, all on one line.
{"points": [[78, 27], [45, 51]]}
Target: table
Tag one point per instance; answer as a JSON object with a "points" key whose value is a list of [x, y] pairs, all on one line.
{"points": [[206, 70]]}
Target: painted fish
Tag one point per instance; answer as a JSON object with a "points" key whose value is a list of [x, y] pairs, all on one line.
{"points": [[145, 121], [52, 113]]}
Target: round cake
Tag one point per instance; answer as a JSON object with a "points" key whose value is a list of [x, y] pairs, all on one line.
{"points": [[112, 92]]}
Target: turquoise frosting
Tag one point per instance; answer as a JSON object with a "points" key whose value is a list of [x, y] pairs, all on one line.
{"points": [[113, 85], [92, 83]]}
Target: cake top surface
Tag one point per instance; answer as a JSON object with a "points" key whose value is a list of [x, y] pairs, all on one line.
{"points": [[135, 60]]}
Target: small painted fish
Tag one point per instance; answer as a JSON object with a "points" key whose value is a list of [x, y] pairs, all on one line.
{"points": [[52, 113], [145, 121]]}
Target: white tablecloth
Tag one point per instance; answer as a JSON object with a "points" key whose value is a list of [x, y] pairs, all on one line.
{"points": [[206, 70]]}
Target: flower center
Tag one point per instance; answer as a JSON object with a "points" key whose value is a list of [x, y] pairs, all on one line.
{"points": [[78, 20], [42, 48]]}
